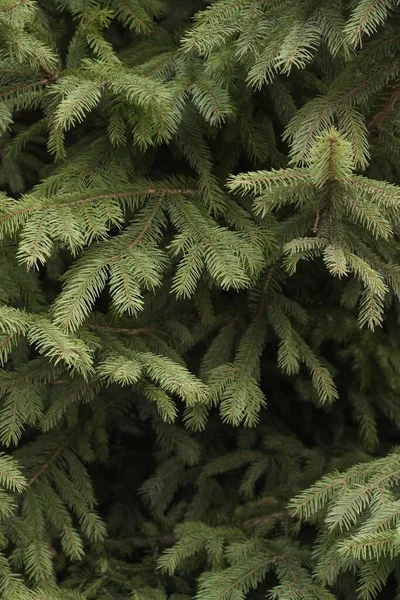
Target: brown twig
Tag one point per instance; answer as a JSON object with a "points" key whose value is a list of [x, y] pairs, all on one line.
{"points": [[124, 330], [316, 222]]}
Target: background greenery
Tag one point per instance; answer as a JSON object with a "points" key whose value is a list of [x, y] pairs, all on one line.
{"points": [[199, 299]]}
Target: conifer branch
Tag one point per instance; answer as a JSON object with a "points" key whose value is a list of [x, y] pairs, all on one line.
{"points": [[46, 464], [387, 108], [24, 87], [14, 6], [92, 198], [121, 330]]}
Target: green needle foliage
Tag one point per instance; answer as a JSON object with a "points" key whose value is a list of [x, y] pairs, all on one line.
{"points": [[199, 299]]}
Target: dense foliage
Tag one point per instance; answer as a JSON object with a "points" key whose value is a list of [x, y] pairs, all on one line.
{"points": [[199, 299]]}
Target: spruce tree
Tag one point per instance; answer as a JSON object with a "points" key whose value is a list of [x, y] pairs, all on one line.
{"points": [[199, 299]]}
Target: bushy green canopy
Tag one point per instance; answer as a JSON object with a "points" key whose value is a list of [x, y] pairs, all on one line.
{"points": [[199, 299]]}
